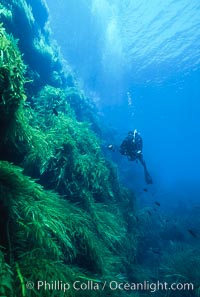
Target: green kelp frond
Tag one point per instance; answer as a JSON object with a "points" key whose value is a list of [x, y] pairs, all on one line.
{"points": [[38, 215], [40, 268], [56, 273], [26, 10], [74, 159], [49, 102], [12, 80], [18, 139], [42, 220], [26, 145], [83, 107], [15, 134], [79, 231], [40, 11], [5, 13], [78, 163], [41, 46], [110, 229], [76, 156], [6, 278]]}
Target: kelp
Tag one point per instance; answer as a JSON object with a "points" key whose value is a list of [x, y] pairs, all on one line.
{"points": [[5, 13], [37, 225], [83, 106], [40, 11], [6, 278], [61, 205], [12, 79], [21, 19], [74, 164]]}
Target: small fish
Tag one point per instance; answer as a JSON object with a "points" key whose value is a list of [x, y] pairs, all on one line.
{"points": [[157, 203], [55, 111], [149, 212], [145, 190], [192, 233]]}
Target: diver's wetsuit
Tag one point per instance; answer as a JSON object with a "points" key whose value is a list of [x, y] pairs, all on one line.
{"points": [[132, 148]]}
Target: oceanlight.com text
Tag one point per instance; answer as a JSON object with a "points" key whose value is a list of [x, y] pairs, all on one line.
{"points": [[109, 285], [151, 286]]}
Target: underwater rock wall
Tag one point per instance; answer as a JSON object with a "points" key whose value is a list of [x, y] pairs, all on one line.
{"points": [[63, 214], [26, 21]]}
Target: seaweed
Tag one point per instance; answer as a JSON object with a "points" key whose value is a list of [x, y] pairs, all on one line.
{"points": [[36, 226], [5, 14], [21, 19], [83, 106], [11, 77], [40, 11], [63, 214], [6, 278]]}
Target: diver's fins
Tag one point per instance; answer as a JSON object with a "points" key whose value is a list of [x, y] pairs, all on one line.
{"points": [[147, 176]]}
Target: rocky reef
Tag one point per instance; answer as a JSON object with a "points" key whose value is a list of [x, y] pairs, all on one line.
{"points": [[63, 214]]}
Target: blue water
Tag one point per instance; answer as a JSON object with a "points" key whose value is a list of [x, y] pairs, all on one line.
{"points": [[140, 60]]}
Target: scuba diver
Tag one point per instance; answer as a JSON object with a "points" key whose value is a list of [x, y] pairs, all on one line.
{"points": [[131, 147]]}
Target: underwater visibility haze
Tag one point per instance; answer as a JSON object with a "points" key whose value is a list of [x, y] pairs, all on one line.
{"points": [[141, 59], [81, 215]]}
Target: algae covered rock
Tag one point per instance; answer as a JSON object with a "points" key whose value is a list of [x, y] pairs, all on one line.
{"points": [[68, 224], [12, 80], [48, 231], [27, 21]]}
